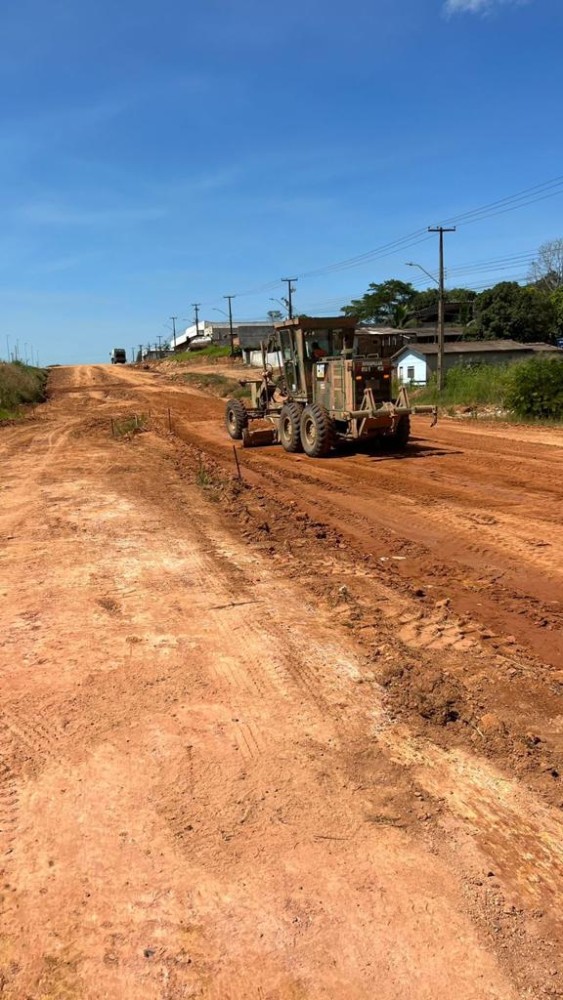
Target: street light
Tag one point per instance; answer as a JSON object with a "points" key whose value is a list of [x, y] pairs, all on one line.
{"points": [[410, 263], [282, 302]]}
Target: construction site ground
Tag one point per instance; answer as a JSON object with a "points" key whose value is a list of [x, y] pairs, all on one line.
{"points": [[290, 736]]}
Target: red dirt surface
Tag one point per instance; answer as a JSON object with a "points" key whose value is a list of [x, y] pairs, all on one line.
{"points": [[292, 737]]}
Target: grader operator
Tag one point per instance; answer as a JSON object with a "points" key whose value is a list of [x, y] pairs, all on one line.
{"points": [[331, 387]]}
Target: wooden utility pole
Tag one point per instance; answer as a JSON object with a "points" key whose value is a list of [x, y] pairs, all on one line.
{"points": [[440, 361], [290, 290], [229, 299], [174, 318]]}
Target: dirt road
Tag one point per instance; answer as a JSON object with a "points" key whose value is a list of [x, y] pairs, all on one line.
{"points": [[298, 737]]}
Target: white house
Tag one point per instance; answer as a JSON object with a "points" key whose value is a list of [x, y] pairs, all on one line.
{"points": [[415, 363], [411, 366]]}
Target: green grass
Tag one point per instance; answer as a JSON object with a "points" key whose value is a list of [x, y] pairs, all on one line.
{"points": [[217, 385], [213, 351], [469, 385], [126, 427], [19, 385]]}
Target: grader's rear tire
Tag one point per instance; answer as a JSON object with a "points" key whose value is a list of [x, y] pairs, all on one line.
{"points": [[317, 431], [236, 418], [289, 427], [400, 438]]}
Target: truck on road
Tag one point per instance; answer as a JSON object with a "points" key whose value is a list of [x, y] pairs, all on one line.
{"points": [[118, 356]]}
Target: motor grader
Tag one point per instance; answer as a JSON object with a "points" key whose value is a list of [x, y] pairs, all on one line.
{"points": [[331, 383]]}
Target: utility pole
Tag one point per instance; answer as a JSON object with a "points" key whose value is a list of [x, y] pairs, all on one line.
{"points": [[174, 318], [133, 355], [160, 345], [140, 352], [196, 306], [290, 290], [440, 365], [8, 347], [231, 333]]}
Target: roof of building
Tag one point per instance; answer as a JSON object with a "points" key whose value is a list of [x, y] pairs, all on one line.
{"points": [[479, 347]]}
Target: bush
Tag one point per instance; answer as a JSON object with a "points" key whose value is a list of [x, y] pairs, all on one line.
{"points": [[535, 389], [19, 384]]}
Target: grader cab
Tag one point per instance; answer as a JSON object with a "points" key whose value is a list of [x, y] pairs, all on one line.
{"points": [[328, 384]]}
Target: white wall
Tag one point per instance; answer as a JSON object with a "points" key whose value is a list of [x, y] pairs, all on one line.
{"points": [[419, 372], [255, 359]]}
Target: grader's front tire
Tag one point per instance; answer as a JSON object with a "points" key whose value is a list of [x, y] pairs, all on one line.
{"points": [[317, 431], [289, 427], [236, 418]]}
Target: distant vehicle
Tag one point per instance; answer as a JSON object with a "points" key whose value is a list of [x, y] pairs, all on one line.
{"points": [[118, 356], [198, 343]]}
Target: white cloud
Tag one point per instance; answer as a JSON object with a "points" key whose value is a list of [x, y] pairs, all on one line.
{"points": [[478, 6]]}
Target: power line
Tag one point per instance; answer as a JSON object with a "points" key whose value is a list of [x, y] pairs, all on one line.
{"points": [[510, 203], [548, 189]]}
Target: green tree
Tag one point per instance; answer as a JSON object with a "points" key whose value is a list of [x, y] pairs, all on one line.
{"points": [[383, 303], [275, 315], [515, 312], [556, 299]]}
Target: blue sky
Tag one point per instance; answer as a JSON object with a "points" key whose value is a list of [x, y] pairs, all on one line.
{"points": [[154, 155]]}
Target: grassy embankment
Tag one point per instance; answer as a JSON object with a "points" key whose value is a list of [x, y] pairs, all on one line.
{"points": [[215, 383], [528, 390], [213, 351], [19, 385]]}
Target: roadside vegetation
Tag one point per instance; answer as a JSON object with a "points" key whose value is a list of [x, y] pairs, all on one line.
{"points": [[217, 385], [213, 351], [19, 385], [528, 390], [127, 427]]}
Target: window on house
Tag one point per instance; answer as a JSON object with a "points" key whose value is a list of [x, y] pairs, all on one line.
{"points": [[410, 373], [401, 370]]}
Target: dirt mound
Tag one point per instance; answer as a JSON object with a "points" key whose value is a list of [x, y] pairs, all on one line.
{"points": [[426, 691]]}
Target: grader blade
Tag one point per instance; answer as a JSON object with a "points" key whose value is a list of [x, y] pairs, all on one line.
{"points": [[256, 438]]}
